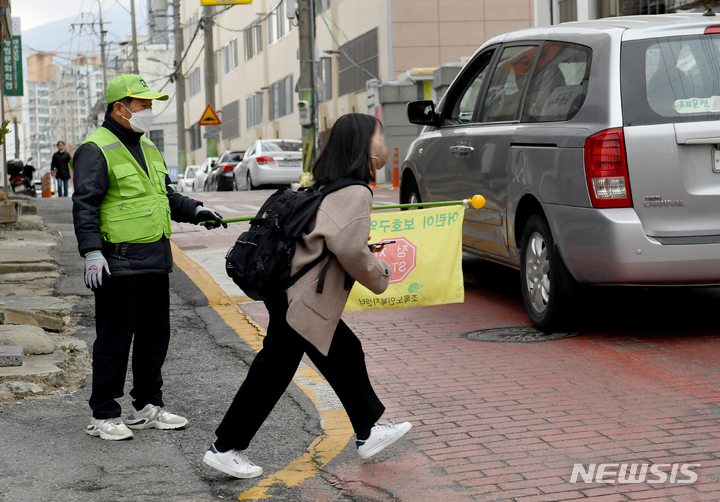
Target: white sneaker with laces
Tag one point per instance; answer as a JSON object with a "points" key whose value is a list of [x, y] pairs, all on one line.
{"points": [[112, 429], [232, 462], [381, 436], [154, 417]]}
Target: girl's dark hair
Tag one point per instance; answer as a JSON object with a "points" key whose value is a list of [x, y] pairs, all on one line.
{"points": [[347, 152]]}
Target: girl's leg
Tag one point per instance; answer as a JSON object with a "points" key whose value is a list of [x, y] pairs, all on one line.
{"points": [[345, 370], [270, 374]]}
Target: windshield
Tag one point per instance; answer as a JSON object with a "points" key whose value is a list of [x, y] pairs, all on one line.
{"points": [[282, 146], [234, 157], [671, 80], [190, 173]]}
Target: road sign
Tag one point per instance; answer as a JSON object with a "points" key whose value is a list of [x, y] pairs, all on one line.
{"points": [[224, 2], [11, 60], [209, 117]]}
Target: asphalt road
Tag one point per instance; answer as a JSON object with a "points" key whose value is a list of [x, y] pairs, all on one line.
{"points": [[45, 454]]}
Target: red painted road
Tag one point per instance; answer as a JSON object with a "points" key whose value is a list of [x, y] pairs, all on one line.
{"points": [[507, 421]]}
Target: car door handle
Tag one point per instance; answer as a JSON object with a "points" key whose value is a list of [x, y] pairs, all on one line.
{"points": [[461, 149]]}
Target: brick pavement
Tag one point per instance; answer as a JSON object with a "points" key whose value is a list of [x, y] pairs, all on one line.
{"points": [[499, 421]]}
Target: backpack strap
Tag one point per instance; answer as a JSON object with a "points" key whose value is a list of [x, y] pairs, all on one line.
{"points": [[290, 281]]}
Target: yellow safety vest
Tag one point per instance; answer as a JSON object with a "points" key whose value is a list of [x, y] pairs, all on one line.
{"points": [[135, 207]]}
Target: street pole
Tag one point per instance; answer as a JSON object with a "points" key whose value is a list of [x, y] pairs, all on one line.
{"points": [[136, 69], [306, 83], [179, 89], [212, 143], [6, 179], [103, 59], [17, 137]]}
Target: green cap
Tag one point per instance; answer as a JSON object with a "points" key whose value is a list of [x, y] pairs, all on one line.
{"points": [[130, 86]]}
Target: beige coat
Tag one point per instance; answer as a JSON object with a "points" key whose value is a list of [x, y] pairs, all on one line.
{"points": [[343, 225]]}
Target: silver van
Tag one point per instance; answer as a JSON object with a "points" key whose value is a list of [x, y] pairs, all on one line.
{"points": [[597, 147]]}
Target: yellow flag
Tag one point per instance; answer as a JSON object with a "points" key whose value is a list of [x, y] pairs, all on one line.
{"points": [[426, 259]]}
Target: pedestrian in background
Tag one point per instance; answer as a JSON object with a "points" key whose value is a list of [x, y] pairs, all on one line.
{"points": [[122, 207], [303, 321], [60, 167]]}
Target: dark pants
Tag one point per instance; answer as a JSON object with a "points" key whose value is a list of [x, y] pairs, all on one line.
{"points": [[274, 367], [125, 306], [62, 187]]}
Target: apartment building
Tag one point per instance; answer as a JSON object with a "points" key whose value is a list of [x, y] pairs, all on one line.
{"points": [[58, 101], [257, 67]]}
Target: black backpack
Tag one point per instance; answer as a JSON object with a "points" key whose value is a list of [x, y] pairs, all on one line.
{"points": [[260, 261]]}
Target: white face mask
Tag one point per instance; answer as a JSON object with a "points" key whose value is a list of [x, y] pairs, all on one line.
{"points": [[142, 120]]}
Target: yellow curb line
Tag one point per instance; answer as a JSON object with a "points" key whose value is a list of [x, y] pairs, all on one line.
{"points": [[337, 427]]}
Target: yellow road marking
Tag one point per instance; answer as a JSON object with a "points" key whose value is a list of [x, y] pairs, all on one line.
{"points": [[337, 428]]}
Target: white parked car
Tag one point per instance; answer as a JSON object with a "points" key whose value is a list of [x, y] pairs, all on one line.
{"points": [[186, 181], [202, 174], [269, 162]]}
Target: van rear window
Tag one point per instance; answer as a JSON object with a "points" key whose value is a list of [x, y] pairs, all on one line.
{"points": [[669, 80]]}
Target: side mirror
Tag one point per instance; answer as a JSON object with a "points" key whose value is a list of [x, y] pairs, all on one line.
{"points": [[423, 113]]}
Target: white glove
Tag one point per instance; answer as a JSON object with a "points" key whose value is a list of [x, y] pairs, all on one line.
{"points": [[95, 263]]}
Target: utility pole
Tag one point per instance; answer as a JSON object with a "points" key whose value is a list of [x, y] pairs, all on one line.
{"points": [[212, 143], [103, 58], [136, 69], [306, 15], [179, 89]]}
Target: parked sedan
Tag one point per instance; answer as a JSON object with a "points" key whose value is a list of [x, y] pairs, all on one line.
{"points": [[185, 181], [596, 146], [269, 162], [202, 174], [222, 178]]}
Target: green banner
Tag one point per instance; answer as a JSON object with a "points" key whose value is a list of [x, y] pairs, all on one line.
{"points": [[12, 67]]}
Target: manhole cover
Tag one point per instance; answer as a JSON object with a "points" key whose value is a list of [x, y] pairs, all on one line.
{"points": [[517, 334]]}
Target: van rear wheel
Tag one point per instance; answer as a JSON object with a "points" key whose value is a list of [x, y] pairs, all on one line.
{"points": [[548, 289]]}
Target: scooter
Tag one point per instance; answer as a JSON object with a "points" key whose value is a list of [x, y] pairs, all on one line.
{"points": [[21, 177]]}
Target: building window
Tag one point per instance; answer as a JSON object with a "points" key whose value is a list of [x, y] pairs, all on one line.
{"points": [[568, 10], [192, 25], [253, 40], [281, 98], [254, 110], [157, 138], [608, 8], [194, 82], [231, 120], [278, 24], [652, 7], [229, 57], [43, 92], [325, 80], [354, 73], [195, 137], [43, 111]]}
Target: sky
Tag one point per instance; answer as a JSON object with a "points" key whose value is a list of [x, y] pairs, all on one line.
{"points": [[34, 13]]}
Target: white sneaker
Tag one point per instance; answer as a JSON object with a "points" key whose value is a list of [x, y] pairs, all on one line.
{"points": [[382, 435], [112, 429], [232, 462], [154, 417]]}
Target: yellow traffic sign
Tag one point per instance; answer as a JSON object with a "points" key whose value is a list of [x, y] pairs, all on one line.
{"points": [[224, 2], [209, 117]]}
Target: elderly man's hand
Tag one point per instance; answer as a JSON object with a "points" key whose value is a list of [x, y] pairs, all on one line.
{"points": [[212, 218]]}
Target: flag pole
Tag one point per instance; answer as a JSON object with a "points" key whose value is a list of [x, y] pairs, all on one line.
{"points": [[477, 201]]}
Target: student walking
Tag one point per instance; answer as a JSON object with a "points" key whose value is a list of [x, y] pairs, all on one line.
{"points": [[304, 321]]}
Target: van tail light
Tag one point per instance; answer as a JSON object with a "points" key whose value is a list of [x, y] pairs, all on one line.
{"points": [[265, 160], [606, 169], [227, 167], [712, 30]]}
